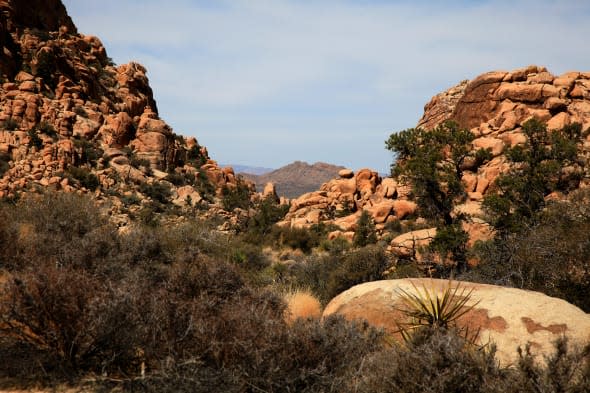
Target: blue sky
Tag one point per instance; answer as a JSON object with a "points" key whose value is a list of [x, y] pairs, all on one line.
{"points": [[264, 83]]}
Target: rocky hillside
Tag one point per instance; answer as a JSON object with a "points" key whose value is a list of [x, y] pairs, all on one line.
{"points": [[493, 107], [72, 120], [297, 178]]}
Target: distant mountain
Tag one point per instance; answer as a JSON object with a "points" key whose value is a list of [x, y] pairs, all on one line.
{"points": [[252, 170], [296, 178]]}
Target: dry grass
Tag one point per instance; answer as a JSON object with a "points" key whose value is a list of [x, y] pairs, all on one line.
{"points": [[302, 304]]}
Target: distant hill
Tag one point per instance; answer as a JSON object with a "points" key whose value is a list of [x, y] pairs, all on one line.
{"points": [[296, 178], [253, 170]]}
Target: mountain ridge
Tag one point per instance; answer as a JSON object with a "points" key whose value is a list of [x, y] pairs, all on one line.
{"points": [[296, 178]]}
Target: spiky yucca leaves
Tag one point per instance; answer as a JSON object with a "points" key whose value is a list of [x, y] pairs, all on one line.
{"points": [[428, 309]]}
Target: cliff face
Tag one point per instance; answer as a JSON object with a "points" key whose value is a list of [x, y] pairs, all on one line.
{"points": [[67, 113]]}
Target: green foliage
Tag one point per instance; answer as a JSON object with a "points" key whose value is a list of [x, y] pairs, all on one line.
{"points": [[80, 111], [552, 256], [85, 177], [47, 129], [88, 152], [329, 275], [363, 265], [10, 124], [450, 243], [46, 68], [441, 362], [81, 298], [296, 238], [538, 170], [268, 213], [34, 140], [427, 309], [195, 157], [431, 161], [158, 191], [237, 197], [365, 232], [4, 163]]}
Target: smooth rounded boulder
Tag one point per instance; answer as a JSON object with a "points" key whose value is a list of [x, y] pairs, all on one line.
{"points": [[508, 317]]}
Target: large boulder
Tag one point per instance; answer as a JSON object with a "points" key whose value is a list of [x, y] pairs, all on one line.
{"points": [[508, 317]]}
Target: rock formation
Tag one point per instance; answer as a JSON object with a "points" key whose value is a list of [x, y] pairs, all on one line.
{"points": [[493, 106], [295, 179], [65, 105], [535, 318]]}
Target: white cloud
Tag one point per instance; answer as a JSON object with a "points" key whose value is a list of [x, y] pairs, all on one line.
{"points": [[377, 60]]}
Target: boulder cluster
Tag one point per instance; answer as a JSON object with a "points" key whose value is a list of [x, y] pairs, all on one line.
{"points": [[64, 104], [493, 106]]}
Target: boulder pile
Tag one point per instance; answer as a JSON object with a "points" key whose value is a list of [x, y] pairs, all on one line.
{"points": [[64, 104], [493, 106]]}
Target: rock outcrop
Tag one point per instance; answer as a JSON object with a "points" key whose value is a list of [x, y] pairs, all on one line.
{"points": [[493, 106], [67, 113], [535, 318]]}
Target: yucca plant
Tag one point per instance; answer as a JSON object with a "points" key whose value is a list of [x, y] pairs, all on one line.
{"points": [[427, 308]]}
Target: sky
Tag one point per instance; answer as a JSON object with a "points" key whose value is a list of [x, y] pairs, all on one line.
{"points": [[267, 82]]}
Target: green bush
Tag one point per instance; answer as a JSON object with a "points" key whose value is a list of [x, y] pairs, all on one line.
{"points": [[158, 191], [85, 177], [4, 163], [551, 256], [365, 232], [10, 124], [237, 197], [296, 238]]}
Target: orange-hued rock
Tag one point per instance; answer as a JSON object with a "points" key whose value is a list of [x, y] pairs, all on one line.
{"points": [[71, 107], [346, 173], [409, 243], [534, 318]]}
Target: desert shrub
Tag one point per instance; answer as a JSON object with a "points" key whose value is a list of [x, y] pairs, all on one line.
{"points": [[566, 370], [132, 199], [34, 140], [356, 267], [70, 314], [66, 229], [330, 275], [80, 111], [268, 213], [10, 124], [365, 233], [517, 196], [158, 191], [4, 163], [47, 129], [335, 246], [441, 362], [88, 153], [296, 238], [450, 245], [551, 256], [137, 162], [309, 356], [195, 157], [237, 197], [180, 179], [84, 176]]}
